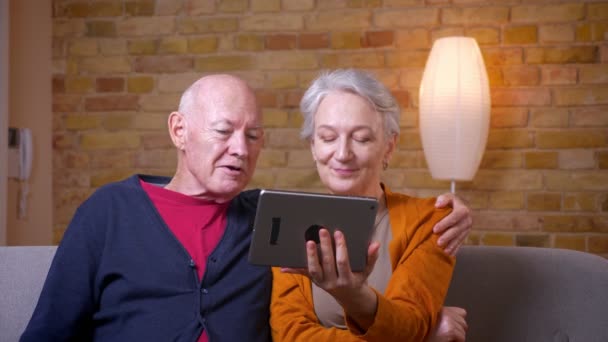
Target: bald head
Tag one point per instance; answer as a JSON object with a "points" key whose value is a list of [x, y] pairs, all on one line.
{"points": [[215, 90]]}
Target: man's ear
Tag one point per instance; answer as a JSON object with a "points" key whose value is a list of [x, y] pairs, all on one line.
{"points": [[177, 129]]}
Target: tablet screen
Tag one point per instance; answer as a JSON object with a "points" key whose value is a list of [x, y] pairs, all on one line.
{"points": [[285, 220]]}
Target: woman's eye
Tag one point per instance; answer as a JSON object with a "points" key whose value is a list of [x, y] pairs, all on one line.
{"points": [[327, 138]]}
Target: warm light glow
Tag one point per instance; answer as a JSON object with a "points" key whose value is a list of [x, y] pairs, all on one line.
{"points": [[454, 108]]}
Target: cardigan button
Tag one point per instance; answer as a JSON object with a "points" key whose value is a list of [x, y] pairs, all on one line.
{"points": [[192, 263], [204, 290]]}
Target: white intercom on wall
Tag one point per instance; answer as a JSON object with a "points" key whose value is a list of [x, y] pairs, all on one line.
{"points": [[20, 156]]}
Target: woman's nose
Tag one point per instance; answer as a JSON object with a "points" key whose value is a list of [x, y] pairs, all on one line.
{"points": [[344, 152]]}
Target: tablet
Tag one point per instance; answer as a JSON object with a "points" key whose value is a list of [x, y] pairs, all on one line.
{"points": [[285, 220]]}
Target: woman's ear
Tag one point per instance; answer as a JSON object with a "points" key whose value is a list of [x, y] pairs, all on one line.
{"points": [[312, 149], [390, 146], [177, 130]]}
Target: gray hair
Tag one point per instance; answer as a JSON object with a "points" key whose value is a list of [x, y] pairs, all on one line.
{"points": [[354, 81]]}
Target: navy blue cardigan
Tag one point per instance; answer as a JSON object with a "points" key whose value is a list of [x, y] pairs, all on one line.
{"points": [[120, 274]]}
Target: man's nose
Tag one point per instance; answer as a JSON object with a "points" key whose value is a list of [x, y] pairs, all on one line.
{"points": [[238, 145]]}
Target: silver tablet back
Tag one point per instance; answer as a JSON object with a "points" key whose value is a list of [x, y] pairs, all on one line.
{"points": [[285, 220]]}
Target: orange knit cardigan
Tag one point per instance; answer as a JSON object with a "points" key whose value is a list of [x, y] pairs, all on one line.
{"points": [[413, 297]]}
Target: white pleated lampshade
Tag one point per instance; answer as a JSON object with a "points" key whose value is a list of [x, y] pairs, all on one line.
{"points": [[454, 108]]}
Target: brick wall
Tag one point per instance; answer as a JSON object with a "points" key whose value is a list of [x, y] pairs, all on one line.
{"points": [[119, 68]]}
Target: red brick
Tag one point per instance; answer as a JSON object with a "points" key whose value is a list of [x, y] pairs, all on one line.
{"points": [[58, 84], [541, 160], [378, 38], [292, 98], [544, 201], [521, 97], [581, 96], [598, 244], [461, 15], [570, 242], [365, 60], [509, 138], [532, 240], [266, 98], [66, 103], [569, 223], [497, 220], [589, 117], [63, 141], [509, 117], [406, 59], [101, 28], [495, 77], [140, 7], [554, 75], [402, 97], [157, 140], [281, 42], [484, 35], [520, 35], [561, 55], [314, 41], [548, 13], [593, 73], [110, 84], [549, 117], [551, 34], [580, 138], [594, 31], [502, 56], [111, 103], [521, 76], [603, 162], [417, 38], [160, 64], [501, 160], [604, 54]]}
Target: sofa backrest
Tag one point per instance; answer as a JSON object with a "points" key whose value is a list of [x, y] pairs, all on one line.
{"points": [[531, 294], [510, 293], [22, 274]]}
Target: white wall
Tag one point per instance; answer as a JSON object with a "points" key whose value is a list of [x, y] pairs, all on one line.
{"points": [[30, 102], [4, 25]]}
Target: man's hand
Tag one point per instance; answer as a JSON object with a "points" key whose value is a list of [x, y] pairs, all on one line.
{"points": [[455, 227], [451, 327]]}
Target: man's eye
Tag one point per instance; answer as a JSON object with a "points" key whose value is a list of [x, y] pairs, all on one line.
{"points": [[253, 137], [362, 139], [222, 131]]}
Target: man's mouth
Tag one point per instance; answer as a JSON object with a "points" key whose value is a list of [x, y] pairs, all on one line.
{"points": [[233, 169]]}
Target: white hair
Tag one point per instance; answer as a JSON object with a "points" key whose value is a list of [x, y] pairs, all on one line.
{"points": [[354, 81]]}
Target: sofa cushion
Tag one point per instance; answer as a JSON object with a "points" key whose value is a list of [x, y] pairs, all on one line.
{"points": [[531, 294], [22, 274]]}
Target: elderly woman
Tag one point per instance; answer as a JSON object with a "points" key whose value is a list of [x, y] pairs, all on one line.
{"points": [[352, 123]]}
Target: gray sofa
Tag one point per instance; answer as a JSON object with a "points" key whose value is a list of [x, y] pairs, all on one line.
{"points": [[513, 294]]}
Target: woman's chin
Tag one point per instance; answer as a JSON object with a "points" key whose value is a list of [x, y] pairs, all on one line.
{"points": [[343, 188]]}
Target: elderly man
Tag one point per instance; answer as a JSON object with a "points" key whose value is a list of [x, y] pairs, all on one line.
{"points": [[157, 259]]}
